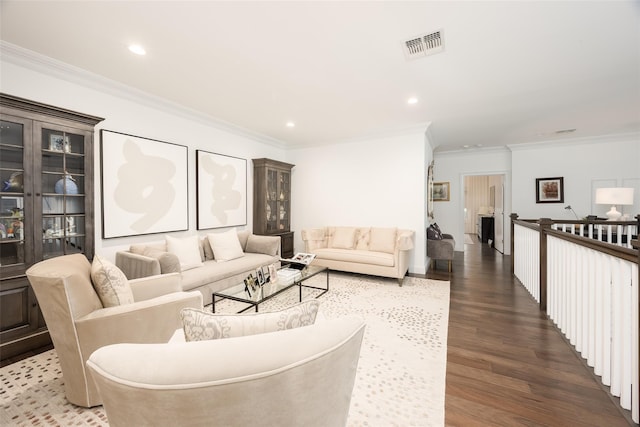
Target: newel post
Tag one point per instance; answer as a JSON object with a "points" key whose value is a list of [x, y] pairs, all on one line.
{"points": [[513, 217], [636, 246], [545, 224]]}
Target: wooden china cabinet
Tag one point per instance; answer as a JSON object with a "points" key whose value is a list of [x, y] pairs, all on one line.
{"points": [[272, 202], [46, 207]]}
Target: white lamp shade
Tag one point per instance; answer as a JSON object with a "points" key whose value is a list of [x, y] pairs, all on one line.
{"points": [[614, 196]]}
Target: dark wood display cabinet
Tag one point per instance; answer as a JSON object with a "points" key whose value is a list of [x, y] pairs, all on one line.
{"points": [[46, 207], [272, 202]]}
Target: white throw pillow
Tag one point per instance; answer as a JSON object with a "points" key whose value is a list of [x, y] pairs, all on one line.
{"points": [[226, 245], [383, 240], [200, 325], [344, 238], [110, 283], [187, 249]]}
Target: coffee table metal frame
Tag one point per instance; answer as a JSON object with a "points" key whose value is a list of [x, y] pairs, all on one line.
{"points": [[237, 293]]}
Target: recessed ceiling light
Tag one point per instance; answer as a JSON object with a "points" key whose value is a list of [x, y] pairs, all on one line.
{"points": [[290, 124], [137, 49], [412, 100]]}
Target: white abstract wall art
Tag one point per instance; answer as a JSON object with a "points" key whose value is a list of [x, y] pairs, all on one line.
{"points": [[144, 185], [221, 190]]}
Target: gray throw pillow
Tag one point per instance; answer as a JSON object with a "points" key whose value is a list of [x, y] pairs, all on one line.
{"points": [[169, 263], [262, 245]]}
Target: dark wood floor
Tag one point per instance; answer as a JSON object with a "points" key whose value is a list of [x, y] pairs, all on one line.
{"points": [[507, 364]]}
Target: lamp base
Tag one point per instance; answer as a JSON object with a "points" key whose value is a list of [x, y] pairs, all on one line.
{"points": [[613, 214]]}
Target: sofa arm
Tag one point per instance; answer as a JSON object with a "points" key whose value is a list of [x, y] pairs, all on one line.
{"points": [[146, 288], [135, 266], [150, 321], [405, 240], [314, 238]]}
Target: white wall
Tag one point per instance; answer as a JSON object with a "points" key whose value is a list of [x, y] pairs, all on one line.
{"points": [[375, 182], [140, 117], [585, 164], [453, 167]]}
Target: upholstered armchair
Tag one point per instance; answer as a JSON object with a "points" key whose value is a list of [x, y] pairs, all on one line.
{"points": [[294, 377], [79, 323], [440, 246]]}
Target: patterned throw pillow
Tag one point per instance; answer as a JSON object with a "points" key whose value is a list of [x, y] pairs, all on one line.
{"points": [[200, 325], [433, 233], [110, 283]]}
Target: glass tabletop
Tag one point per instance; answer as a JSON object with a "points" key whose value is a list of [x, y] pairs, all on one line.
{"points": [[286, 278]]}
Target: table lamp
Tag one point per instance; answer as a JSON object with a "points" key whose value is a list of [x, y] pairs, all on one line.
{"points": [[613, 197]]}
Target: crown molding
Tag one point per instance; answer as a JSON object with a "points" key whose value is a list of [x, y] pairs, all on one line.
{"points": [[421, 128], [565, 142], [43, 64], [472, 151]]}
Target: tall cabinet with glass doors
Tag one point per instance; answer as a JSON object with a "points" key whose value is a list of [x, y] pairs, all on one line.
{"points": [[46, 206]]}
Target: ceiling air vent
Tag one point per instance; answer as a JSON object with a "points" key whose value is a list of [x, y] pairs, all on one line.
{"points": [[423, 45]]}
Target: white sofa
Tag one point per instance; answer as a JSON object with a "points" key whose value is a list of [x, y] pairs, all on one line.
{"points": [[367, 250], [295, 377], [213, 275]]}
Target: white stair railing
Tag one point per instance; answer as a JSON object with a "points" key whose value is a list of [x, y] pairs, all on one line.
{"points": [[592, 297], [526, 259]]}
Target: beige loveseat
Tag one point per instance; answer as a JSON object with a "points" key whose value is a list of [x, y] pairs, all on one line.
{"points": [[368, 250], [213, 275]]}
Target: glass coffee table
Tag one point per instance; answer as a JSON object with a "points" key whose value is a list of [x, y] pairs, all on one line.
{"points": [[270, 290]]}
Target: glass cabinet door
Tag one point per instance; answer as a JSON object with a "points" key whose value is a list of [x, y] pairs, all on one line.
{"points": [[62, 203], [284, 201], [15, 196], [272, 201]]}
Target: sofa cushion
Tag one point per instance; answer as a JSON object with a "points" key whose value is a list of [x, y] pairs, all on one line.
{"points": [[383, 239], [200, 325], [226, 246], [343, 238], [169, 263], [262, 245], [362, 238], [110, 283], [187, 249], [356, 256]]}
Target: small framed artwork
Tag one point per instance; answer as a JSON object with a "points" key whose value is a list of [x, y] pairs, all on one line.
{"points": [[260, 276], [273, 273], [59, 143], [550, 190], [441, 191]]}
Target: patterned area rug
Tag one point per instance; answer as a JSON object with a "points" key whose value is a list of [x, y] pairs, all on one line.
{"points": [[401, 373]]}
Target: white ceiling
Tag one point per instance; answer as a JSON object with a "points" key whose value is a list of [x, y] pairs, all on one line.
{"points": [[511, 71]]}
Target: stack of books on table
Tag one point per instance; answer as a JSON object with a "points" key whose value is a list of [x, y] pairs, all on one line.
{"points": [[288, 275]]}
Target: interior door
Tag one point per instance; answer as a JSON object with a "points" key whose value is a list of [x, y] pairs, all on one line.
{"points": [[499, 217]]}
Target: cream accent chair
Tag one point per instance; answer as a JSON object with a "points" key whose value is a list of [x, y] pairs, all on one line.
{"points": [[296, 377], [79, 324]]}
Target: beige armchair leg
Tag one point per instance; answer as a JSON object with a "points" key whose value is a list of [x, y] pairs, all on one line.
{"points": [[449, 266]]}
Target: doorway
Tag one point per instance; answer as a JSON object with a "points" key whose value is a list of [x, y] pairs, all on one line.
{"points": [[484, 209]]}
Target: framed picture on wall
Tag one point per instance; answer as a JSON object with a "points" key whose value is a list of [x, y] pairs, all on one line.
{"points": [[441, 191], [144, 185], [550, 190]]}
